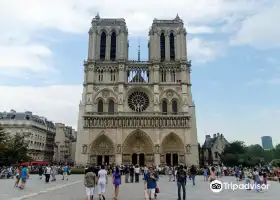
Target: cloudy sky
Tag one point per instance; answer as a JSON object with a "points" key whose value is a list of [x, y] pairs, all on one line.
{"points": [[234, 46]]}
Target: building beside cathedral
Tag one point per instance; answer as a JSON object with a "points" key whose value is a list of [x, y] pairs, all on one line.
{"points": [[137, 111], [38, 132]]}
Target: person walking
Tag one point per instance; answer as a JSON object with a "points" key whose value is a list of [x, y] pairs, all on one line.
{"points": [[137, 173], [102, 181], [90, 182], [193, 173], [65, 172], [116, 181], [151, 179], [47, 174], [181, 182], [24, 175]]}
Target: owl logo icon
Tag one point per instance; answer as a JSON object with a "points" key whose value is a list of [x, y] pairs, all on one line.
{"points": [[216, 186]]}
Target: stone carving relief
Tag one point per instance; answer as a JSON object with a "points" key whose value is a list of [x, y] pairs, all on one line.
{"points": [[188, 149], [96, 89], [162, 158], [157, 148], [120, 100], [182, 159], [161, 89], [185, 101], [119, 148], [84, 149], [116, 89], [105, 93], [169, 94]]}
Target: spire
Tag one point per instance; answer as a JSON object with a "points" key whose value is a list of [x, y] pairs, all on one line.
{"points": [[138, 50]]}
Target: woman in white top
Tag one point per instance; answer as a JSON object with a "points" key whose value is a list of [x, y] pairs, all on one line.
{"points": [[102, 181]]}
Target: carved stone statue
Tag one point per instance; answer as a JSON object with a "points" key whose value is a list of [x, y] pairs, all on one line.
{"points": [[84, 149]]}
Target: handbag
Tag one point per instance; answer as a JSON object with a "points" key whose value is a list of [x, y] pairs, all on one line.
{"points": [[157, 190]]}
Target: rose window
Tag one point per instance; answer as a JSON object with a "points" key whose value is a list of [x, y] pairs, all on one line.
{"points": [[138, 101]]}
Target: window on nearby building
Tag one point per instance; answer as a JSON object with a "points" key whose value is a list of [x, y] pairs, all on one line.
{"points": [[172, 47], [174, 107], [162, 47], [111, 107], [113, 46], [100, 107], [164, 107], [102, 46]]}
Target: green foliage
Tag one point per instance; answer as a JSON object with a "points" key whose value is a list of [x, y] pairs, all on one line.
{"points": [[13, 148], [237, 153]]}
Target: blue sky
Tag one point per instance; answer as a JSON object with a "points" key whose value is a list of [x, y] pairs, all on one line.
{"points": [[234, 47]]}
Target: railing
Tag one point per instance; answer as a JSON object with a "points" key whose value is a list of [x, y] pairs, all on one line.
{"points": [[152, 121], [146, 114]]}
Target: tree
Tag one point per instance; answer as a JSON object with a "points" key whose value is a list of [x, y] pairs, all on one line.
{"points": [[236, 147], [4, 137], [17, 149]]}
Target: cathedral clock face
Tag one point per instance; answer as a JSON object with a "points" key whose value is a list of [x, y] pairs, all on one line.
{"points": [[138, 101]]}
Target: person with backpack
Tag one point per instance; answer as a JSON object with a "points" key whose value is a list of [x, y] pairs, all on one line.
{"points": [[181, 177]]}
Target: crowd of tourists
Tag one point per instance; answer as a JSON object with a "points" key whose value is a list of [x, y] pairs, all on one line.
{"points": [[96, 177]]}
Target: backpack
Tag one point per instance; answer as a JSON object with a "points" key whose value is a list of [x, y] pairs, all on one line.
{"points": [[181, 176]]}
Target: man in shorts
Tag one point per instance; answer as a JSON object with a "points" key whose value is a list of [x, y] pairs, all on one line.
{"points": [[23, 176], [151, 179]]}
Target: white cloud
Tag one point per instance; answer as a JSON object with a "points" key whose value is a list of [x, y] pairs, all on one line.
{"points": [[20, 26], [261, 30], [58, 103], [202, 51]]}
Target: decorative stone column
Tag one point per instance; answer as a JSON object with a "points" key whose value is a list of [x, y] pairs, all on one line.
{"points": [[108, 47]]}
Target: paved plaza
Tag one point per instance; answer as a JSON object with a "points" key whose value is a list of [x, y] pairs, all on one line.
{"points": [[74, 190]]}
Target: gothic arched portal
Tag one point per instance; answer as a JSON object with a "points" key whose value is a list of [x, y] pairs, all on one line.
{"points": [[102, 150], [138, 148], [172, 149]]}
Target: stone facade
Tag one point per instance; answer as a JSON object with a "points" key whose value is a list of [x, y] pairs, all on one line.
{"points": [[64, 139], [213, 148], [137, 111], [38, 132]]}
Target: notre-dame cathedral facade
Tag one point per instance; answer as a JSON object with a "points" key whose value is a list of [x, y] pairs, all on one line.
{"points": [[138, 112]]}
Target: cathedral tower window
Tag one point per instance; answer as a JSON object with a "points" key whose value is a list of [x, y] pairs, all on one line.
{"points": [[174, 107], [113, 76], [162, 47], [173, 76], [103, 46], [100, 107], [100, 75], [172, 47], [164, 107], [111, 107], [113, 46], [163, 76]]}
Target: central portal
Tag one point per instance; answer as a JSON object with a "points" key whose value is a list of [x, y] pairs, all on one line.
{"points": [[138, 149]]}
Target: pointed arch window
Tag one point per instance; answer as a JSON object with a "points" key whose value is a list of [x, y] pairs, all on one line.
{"points": [[162, 47], [172, 47], [100, 107], [113, 46], [174, 107], [111, 107], [164, 107], [113, 76], [102, 46], [100, 75], [173, 76]]}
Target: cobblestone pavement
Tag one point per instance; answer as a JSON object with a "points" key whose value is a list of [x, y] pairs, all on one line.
{"points": [[74, 190]]}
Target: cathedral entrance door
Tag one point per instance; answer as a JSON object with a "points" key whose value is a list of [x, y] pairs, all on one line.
{"points": [[99, 160], [141, 159], [134, 159], [175, 159], [168, 158], [107, 160]]}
